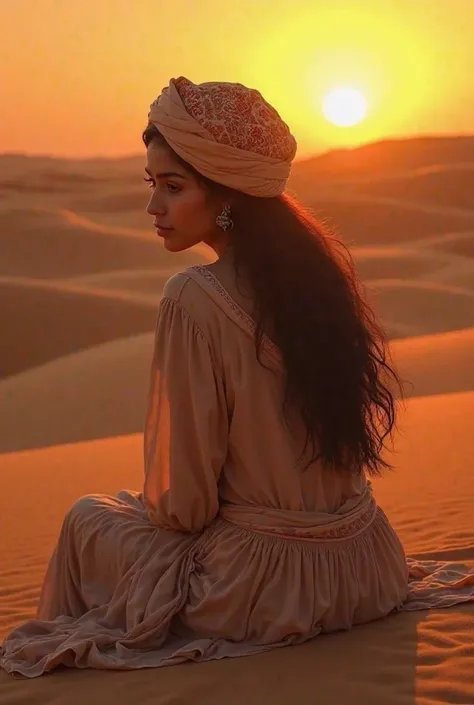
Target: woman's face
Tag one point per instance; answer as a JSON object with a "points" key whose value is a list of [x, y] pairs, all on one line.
{"points": [[182, 212]]}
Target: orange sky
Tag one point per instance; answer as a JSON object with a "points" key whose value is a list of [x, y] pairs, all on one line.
{"points": [[77, 76]]}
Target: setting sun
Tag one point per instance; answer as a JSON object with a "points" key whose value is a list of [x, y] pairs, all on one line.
{"points": [[344, 107]]}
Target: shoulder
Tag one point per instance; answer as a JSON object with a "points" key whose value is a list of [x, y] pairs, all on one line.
{"points": [[185, 290], [175, 285], [184, 294]]}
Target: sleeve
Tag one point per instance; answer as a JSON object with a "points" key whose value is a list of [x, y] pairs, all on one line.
{"points": [[186, 429]]}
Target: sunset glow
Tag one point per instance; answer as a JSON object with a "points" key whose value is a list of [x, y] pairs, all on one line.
{"points": [[81, 84]]}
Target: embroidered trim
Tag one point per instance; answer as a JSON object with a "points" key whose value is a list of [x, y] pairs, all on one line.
{"points": [[339, 533], [268, 345]]}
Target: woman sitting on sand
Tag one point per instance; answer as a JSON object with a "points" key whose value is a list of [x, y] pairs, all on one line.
{"points": [[270, 399]]}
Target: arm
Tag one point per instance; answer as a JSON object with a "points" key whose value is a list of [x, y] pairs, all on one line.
{"points": [[186, 426]]}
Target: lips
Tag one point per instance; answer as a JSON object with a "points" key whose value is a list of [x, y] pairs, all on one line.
{"points": [[161, 227]]}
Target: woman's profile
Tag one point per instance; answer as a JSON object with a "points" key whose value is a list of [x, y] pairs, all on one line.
{"points": [[271, 396]]}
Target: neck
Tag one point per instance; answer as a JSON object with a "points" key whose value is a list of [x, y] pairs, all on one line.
{"points": [[221, 249], [226, 253]]}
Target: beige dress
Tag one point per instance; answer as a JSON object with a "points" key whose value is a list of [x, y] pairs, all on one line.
{"points": [[232, 548]]}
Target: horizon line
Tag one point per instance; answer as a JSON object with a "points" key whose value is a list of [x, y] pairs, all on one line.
{"points": [[304, 157]]}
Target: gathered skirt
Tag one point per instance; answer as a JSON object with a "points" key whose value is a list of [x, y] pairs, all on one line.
{"points": [[122, 593]]}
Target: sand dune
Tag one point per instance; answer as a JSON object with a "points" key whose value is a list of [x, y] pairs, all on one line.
{"points": [[45, 244], [459, 274], [336, 195], [458, 243], [424, 657], [463, 279], [134, 198], [47, 181], [448, 170], [59, 243], [375, 158], [23, 166], [417, 261], [45, 175], [94, 393], [143, 281], [46, 321], [446, 185], [83, 221], [383, 262], [137, 220], [426, 306], [102, 391], [436, 364], [440, 241], [148, 234], [387, 156], [367, 222]]}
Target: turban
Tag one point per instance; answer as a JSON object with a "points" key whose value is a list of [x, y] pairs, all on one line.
{"points": [[228, 133]]}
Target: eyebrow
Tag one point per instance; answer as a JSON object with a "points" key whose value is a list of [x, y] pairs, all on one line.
{"points": [[165, 174]]}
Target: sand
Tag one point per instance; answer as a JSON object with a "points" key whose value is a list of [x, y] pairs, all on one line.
{"points": [[82, 277]]}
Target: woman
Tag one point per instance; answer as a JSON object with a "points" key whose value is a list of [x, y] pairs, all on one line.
{"points": [[270, 400]]}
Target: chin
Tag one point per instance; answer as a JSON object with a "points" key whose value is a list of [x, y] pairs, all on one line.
{"points": [[173, 246], [176, 245]]}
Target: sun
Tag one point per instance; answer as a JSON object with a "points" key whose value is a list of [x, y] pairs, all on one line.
{"points": [[344, 107]]}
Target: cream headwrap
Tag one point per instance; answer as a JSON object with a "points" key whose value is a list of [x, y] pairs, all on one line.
{"points": [[228, 133]]}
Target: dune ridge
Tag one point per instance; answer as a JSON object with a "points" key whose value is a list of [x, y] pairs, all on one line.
{"points": [[439, 307], [98, 392], [45, 320], [57, 243]]}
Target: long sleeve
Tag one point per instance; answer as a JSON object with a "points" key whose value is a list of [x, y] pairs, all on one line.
{"points": [[186, 428]]}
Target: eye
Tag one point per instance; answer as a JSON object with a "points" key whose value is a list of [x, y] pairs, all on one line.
{"points": [[172, 188], [149, 181]]}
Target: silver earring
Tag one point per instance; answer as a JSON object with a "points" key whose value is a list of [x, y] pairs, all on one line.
{"points": [[224, 221]]}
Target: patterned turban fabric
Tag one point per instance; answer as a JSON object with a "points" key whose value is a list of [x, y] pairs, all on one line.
{"points": [[228, 133]]}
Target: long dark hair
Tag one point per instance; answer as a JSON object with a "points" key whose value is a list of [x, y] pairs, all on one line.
{"points": [[307, 293]]}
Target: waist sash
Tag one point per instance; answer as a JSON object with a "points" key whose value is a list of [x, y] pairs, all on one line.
{"points": [[354, 517]]}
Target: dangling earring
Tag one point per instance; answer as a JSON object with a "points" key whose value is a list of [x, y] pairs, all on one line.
{"points": [[224, 221]]}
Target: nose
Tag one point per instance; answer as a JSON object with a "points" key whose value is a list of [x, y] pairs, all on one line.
{"points": [[155, 205]]}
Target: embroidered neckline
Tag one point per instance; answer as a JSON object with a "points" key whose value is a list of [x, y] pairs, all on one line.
{"points": [[267, 344]]}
